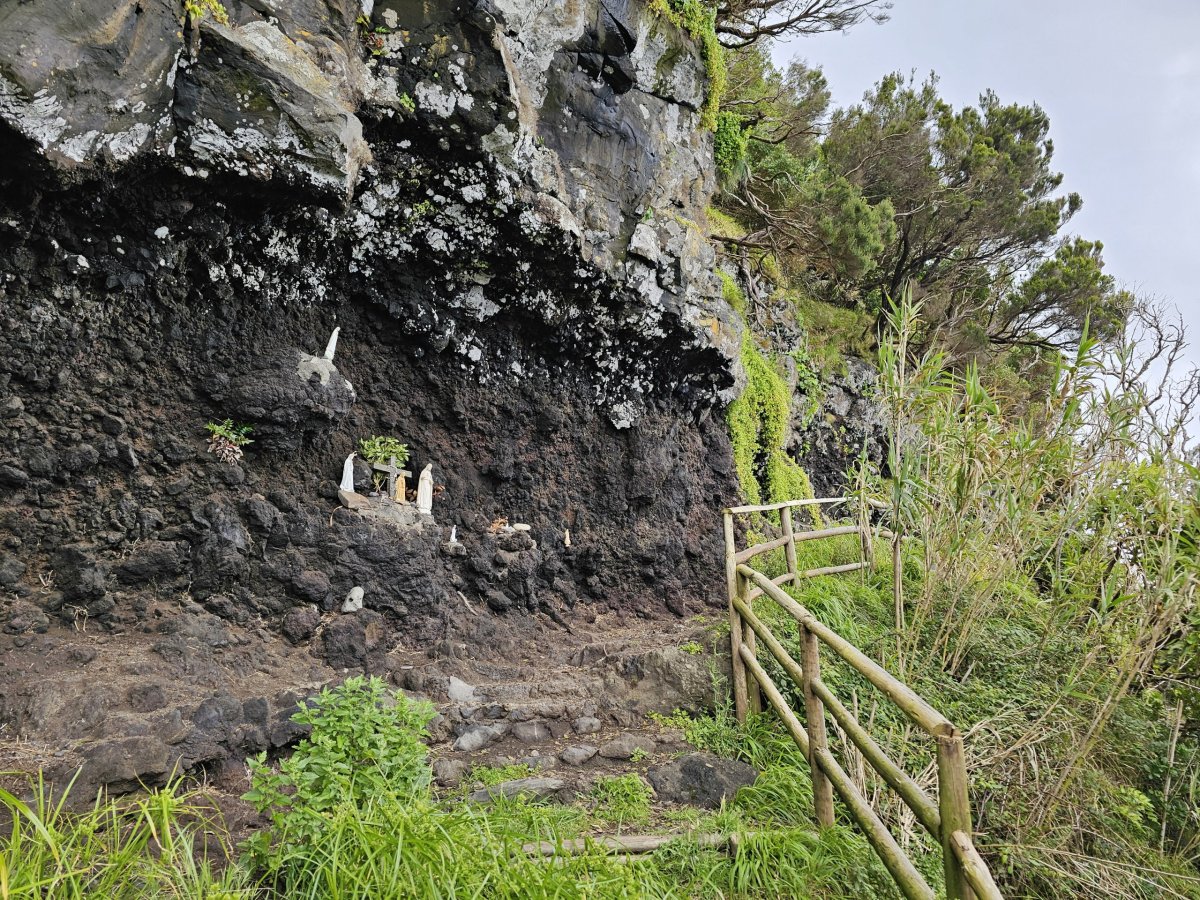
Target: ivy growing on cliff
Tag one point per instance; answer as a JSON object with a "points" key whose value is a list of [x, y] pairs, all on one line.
{"points": [[731, 293], [700, 22], [730, 143], [758, 423]]}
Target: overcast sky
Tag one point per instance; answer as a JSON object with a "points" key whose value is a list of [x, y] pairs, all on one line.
{"points": [[1121, 84]]}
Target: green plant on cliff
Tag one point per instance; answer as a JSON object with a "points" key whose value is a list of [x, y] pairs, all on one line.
{"points": [[195, 10], [226, 440], [699, 21], [731, 293], [758, 424], [730, 142]]}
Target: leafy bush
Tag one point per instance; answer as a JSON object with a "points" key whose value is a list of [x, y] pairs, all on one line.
{"points": [[365, 746], [730, 142], [195, 10], [379, 449], [238, 435]]}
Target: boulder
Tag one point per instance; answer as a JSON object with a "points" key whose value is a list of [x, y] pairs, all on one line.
{"points": [[304, 129], [300, 623], [701, 779], [284, 400], [477, 737], [63, 94], [123, 763], [154, 561], [577, 756], [355, 642]]}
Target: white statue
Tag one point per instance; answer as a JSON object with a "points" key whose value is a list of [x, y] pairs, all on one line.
{"points": [[425, 491], [347, 467], [454, 534], [332, 345]]}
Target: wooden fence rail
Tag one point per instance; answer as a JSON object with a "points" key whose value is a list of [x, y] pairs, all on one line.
{"points": [[948, 818]]}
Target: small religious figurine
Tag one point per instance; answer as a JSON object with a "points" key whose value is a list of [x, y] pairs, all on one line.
{"points": [[348, 467], [425, 491]]}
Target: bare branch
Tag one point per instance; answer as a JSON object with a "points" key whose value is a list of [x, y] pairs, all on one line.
{"points": [[741, 23]]}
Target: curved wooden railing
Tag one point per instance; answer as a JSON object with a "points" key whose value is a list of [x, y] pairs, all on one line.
{"points": [[948, 818]]}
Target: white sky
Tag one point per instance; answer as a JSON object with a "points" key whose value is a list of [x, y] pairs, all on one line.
{"points": [[1121, 84]]}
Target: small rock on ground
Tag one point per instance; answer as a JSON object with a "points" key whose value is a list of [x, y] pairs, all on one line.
{"points": [[577, 756], [530, 787], [531, 732], [626, 745], [449, 772], [461, 692], [354, 600], [476, 738]]}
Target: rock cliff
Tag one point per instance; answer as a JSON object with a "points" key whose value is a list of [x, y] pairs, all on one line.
{"points": [[496, 202]]}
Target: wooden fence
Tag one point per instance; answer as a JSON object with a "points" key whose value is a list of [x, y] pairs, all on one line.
{"points": [[948, 818]]}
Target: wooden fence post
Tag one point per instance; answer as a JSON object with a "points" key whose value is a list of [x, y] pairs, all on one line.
{"points": [[754, 698], [789, 549], [814, 710], [954, 804], [733, 586]]}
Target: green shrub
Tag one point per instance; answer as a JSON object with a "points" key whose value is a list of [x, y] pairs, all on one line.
{"points": [[379, 449], [226, 440], [758, 425], [236, 434], [364, 746], [195, 10], [730, 142]]}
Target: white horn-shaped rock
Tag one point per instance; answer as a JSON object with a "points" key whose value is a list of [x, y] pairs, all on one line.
{"points": [[332, 345]]}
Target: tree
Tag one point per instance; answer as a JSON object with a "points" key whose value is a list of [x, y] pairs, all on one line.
{"points": [[1065, 293], [741, 23], [792, 204], [978, 210], [975, 197], [780, 107], [904, 190]]}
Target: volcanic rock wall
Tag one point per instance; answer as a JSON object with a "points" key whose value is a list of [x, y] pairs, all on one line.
{"points": [[496, 202]]}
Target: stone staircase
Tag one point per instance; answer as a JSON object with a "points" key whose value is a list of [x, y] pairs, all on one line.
{"points": [[576, 715]]}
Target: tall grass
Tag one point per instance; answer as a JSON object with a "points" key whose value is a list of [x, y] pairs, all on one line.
{"points": [[165, 844], [1044, 602], [1044, 598]]}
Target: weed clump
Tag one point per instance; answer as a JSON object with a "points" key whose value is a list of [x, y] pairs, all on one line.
{"points": [[226, 440]]}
